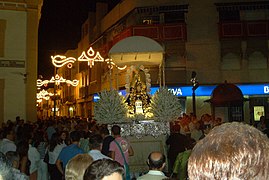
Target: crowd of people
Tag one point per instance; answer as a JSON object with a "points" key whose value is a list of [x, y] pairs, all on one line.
{"points": [[44, 149], [77, 149]]}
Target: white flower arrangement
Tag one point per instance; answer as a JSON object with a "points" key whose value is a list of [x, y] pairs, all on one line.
{"points": [[110, 108], [165, 106]]}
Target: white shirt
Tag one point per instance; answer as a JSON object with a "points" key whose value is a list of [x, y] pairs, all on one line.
{"points": [[7, 145], [17, 175], [96, 154], [152, 174], [53, 156], [34, 158]]}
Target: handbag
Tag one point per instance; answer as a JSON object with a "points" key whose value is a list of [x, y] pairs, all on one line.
{"points": [[46, 158], [126, 166]]}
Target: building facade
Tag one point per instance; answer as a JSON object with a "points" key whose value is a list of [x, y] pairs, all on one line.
{"points": [[18, 58], [219, 40]]}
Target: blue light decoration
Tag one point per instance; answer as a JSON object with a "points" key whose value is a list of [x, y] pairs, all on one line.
{"points": [[183, 91]]}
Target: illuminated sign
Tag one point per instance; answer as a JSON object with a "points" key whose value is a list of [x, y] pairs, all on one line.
{"points": [[266, 89], [184, 91]]}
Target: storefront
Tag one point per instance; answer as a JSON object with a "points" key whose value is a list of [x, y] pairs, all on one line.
{"points": [[257, 94]]}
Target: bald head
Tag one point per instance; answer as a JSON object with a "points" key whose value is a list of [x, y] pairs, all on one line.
{"points": [[156, 160]]}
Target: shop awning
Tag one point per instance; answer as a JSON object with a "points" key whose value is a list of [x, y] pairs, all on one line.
{"points": [[137, 50], [226, 95]]}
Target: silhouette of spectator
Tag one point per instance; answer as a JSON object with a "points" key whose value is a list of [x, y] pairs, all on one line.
{"points": [[95, 142], [231, 151], [55, 147], [7, 143], [76, 167], [22, 150], [5, 168], [121, 149], [104, 169], [177, 143], [156, 163], [69, 152], [14, 160], [107, 139]]}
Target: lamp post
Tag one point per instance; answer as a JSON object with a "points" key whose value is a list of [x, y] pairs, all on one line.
{"points": [[195, 85]]}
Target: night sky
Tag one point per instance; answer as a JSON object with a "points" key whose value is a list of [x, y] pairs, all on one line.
{"points": [[60, 29]]}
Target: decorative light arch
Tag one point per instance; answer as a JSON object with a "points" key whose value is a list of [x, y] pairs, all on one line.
{"points": [[89, 56], [43, 95], [57, 80], [60, 61]]}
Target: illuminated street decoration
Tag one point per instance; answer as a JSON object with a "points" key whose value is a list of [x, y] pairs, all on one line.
{"points": [[91, 57], [60, 61], [43, 95], [39, 83], [57, 80], [73, 83], [111, 64]]}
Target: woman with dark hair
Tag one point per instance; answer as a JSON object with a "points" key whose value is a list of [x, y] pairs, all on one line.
{"points": [[64, 137], [55, 147], [22, 150], [40, 142]]}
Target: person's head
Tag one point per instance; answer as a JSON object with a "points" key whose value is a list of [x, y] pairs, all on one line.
{"points": [[104, 131], [115, 130], [13, 158], [63, 135], [9, 133], [5, 168], [18, 119], [156, 161], [104, 169], [175, 128], [262, 119], [76, 167], [75, 136], [95, 141], [230, 151]]}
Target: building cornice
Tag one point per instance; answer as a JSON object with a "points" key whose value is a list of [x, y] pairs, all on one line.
{"points": [[8, 5]]}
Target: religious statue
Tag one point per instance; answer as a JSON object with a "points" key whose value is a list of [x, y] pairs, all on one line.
{"points": [[138, 99]]}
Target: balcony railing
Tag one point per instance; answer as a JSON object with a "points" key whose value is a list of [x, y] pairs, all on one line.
{"points": [[243, 29], [159, 32]]}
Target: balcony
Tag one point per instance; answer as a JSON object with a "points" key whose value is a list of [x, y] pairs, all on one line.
{"points": [[158, 32], [83, 92], [243, 29], [68, 99]]}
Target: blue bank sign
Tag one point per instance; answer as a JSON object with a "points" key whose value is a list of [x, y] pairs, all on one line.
{"points": [[183, 91]]}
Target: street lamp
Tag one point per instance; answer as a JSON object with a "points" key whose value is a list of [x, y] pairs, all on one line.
{"points": [[195, 85]]}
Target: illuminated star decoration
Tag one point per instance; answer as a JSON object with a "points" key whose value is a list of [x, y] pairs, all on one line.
{"points": [[90, 57]]}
